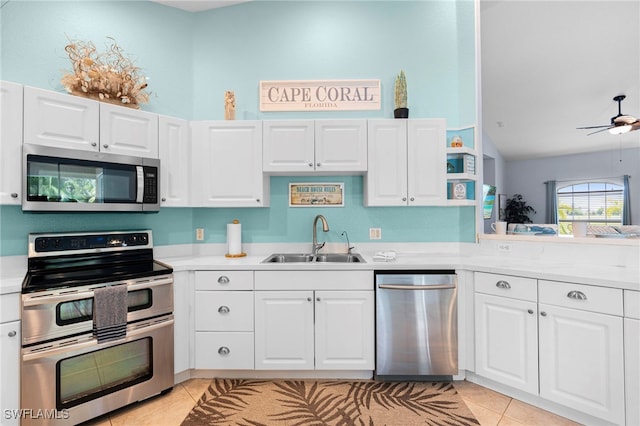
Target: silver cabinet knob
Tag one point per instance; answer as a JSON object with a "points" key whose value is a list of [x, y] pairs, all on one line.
{"points": [[224, 350], [308, 299], [577, 295], [14, 195], [12, 333], [106, 145], [530, 311], [223, 309], [310, 164], [164, 199], [404, 198], [94, 144], [317, 299], [317, 164], [543, 313], [257, 200], [503, 284], [223, 280], [412, 199]]}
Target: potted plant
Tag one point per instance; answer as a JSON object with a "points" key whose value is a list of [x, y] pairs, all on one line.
{"points": [[401, 110], [517, 210]]}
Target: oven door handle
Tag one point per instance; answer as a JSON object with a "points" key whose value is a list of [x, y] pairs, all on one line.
{"points": [[39, 300], [416, 287], [62, 347]]}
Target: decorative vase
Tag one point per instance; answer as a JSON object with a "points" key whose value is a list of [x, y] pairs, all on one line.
{"points": [[401, 113]]}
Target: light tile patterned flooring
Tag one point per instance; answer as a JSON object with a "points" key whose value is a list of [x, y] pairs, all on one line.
{"points": [[490, 408]]}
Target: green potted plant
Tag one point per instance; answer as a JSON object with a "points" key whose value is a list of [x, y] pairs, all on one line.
{"points": [[401, 110], [517, 210]]}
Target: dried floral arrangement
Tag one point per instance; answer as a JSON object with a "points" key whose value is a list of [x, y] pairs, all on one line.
{"points": [[108, 76]]}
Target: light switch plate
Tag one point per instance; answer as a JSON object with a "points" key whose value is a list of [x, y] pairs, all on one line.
{"points": [[375, 233], [199, 234]]}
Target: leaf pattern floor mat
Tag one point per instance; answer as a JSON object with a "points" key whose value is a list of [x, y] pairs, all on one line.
{"points": [[249, 402]]}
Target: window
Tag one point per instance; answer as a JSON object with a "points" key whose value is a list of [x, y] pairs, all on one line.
{"points": [[597, 203]]}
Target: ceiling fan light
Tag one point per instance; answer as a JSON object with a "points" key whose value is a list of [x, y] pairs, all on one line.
{"points": [[618, 130]]}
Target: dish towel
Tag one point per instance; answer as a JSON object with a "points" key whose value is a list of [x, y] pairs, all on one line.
{"points": [[385, 256], [110, 312]]}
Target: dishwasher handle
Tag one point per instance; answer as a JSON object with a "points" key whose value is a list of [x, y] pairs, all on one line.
{"points": [[416, 287]]}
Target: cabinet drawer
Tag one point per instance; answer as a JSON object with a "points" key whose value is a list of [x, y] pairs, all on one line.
{"points": [[506, 286], [9, 307], [224, 280], [224, 311], [579, 296], [232, 351], [632, 304]]}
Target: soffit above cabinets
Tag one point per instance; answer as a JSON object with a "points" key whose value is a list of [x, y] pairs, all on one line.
{"points": [[198, 5]]}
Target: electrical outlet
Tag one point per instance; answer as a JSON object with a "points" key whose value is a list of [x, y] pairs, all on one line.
{"points": [[199, 234], [504, 248], [375, 233]]}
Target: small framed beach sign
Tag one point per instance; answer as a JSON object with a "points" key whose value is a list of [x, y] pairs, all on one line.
{"points": [[313, 194]]}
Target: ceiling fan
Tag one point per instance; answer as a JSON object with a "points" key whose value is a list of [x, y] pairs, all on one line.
{"points": [[621, 123]]}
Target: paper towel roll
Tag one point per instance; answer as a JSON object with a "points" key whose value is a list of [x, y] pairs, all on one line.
{"points": [[234, 238]]}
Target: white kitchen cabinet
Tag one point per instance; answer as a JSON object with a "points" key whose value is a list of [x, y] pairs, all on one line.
{"points": [[406, 163], [183, 322], [128, 131], [322, 330], [174, 148], [10, 342], [507, 341], [227, 164], [332, 146], [67, 121], [632, 355], [224, 320], [581, 348], [61, 120], [11, 105]]}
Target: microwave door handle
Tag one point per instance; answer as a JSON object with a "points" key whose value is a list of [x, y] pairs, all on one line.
{"points": [[140, 176]]}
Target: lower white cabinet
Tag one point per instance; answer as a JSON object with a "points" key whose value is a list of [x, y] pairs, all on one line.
{"points": [[224, 320], [182, 329], [10, 342], [632, 355], [574, 357], [322, 330]]}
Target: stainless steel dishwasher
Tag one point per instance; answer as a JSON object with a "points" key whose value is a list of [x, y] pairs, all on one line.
{"points": [[416, 325]]}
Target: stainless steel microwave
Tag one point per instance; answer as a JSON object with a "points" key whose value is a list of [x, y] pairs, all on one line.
{"points": [[69, 180]]}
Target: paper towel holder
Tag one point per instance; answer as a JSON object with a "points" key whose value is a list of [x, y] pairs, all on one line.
{"points": [[235, 255]]}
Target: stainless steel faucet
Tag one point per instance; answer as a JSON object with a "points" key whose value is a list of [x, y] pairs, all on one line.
{"points": [[325, 228]]}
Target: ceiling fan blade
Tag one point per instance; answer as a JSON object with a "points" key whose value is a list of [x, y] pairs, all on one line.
{"points": [[635, 126], [594, 127], [601, 130]]}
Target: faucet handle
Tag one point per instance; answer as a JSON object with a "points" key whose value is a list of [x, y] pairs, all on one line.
{"points": [[349, 246]]}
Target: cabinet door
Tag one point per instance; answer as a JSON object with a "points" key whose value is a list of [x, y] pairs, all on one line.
{"points": [[288, 146], [227, 158], [386, 180], [174, 145], [344, 331], [632, 369], [582, 361], [61, 120], [9, 370], [507, 341], [10, 142], [128, 132], [341, 145], [284, 330], [182, 320], [427, 162]]}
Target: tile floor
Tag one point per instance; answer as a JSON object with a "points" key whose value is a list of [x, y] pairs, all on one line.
{"points": [[490, 408]]}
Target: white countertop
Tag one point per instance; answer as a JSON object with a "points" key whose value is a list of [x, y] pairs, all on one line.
{"points": [[592, 264]]}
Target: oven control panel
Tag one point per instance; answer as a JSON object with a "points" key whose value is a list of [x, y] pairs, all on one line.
{"points": [[74, 242]]}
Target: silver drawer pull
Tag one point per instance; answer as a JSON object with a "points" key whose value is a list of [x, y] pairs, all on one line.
{"points": [[223, 280], [224, 350], [12, 333], [503, 284], [223, 309], [578, 295]]}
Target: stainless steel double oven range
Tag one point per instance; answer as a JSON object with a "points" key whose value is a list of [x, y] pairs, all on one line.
{"points": [[68, 375]]}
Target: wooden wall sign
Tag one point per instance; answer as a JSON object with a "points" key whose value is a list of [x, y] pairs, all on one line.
{"points": [[320, 95], [316, 194]]}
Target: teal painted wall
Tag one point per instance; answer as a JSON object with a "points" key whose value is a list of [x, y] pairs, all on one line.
{"points": [[191, 59]]}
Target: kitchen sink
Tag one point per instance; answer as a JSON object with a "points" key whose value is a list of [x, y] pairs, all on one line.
{"points": [[309, 258]]}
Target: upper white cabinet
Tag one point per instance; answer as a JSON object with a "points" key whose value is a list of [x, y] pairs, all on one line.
{"points": [[331, 146], [174, 145], [127, 131], [66, 121], [227, 164], [10, 142], [406, 163], [61, 120]]}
